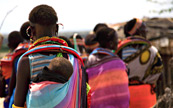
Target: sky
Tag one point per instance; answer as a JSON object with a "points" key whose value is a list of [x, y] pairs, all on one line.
{"points": [[77, 15]]}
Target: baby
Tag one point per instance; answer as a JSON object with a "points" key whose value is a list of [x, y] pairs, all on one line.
{"points": [[59, 70]]}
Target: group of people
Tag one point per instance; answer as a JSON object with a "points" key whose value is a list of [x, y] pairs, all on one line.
{"points": [[98, 71], [18, 43]]}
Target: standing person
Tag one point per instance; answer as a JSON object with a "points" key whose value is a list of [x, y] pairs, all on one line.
{"points": [[47, 46], [144, 63], [21, 48], [107, 74], [90, 42], [8, 62], [78, 43], [90, 45]]}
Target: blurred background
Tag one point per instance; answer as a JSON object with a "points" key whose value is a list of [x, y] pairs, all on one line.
{"points": [[80, 16]]}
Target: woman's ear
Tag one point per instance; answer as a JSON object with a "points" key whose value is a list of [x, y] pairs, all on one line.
{"points": [[33, 32]]}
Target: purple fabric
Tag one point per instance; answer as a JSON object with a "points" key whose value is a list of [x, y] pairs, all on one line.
{"points": [[109, 84]]}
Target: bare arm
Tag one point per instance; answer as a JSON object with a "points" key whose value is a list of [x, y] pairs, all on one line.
{"points": [[22, 82]]}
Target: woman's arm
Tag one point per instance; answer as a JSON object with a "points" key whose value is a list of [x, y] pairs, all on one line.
{"points": [[22, 82]]}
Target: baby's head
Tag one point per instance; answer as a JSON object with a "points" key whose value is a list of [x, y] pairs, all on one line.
{"points": [[61, 66]]}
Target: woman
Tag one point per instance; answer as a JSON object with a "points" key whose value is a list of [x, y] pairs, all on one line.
{"points": [[107, 74]]}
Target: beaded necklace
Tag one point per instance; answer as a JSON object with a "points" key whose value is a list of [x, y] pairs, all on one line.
{"points": [[48, 40]]}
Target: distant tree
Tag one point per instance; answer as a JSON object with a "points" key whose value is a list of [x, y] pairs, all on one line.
{"points": [[162, 2]]}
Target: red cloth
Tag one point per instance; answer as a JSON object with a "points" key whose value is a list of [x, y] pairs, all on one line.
{"points": [[141, 96]]}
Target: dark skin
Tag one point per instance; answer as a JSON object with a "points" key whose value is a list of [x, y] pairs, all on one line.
{"points": [[23, 72], [22, 82], [112, 44]]}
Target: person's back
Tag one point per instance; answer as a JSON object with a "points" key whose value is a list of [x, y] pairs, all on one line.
{"points": [[144, 63], [14, 39], [107, 75], [47, 46], [59, 72]]}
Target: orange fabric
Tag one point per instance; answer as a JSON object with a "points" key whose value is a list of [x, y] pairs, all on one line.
{"points": [[141, 97], [7, 66], [7, 62]]}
